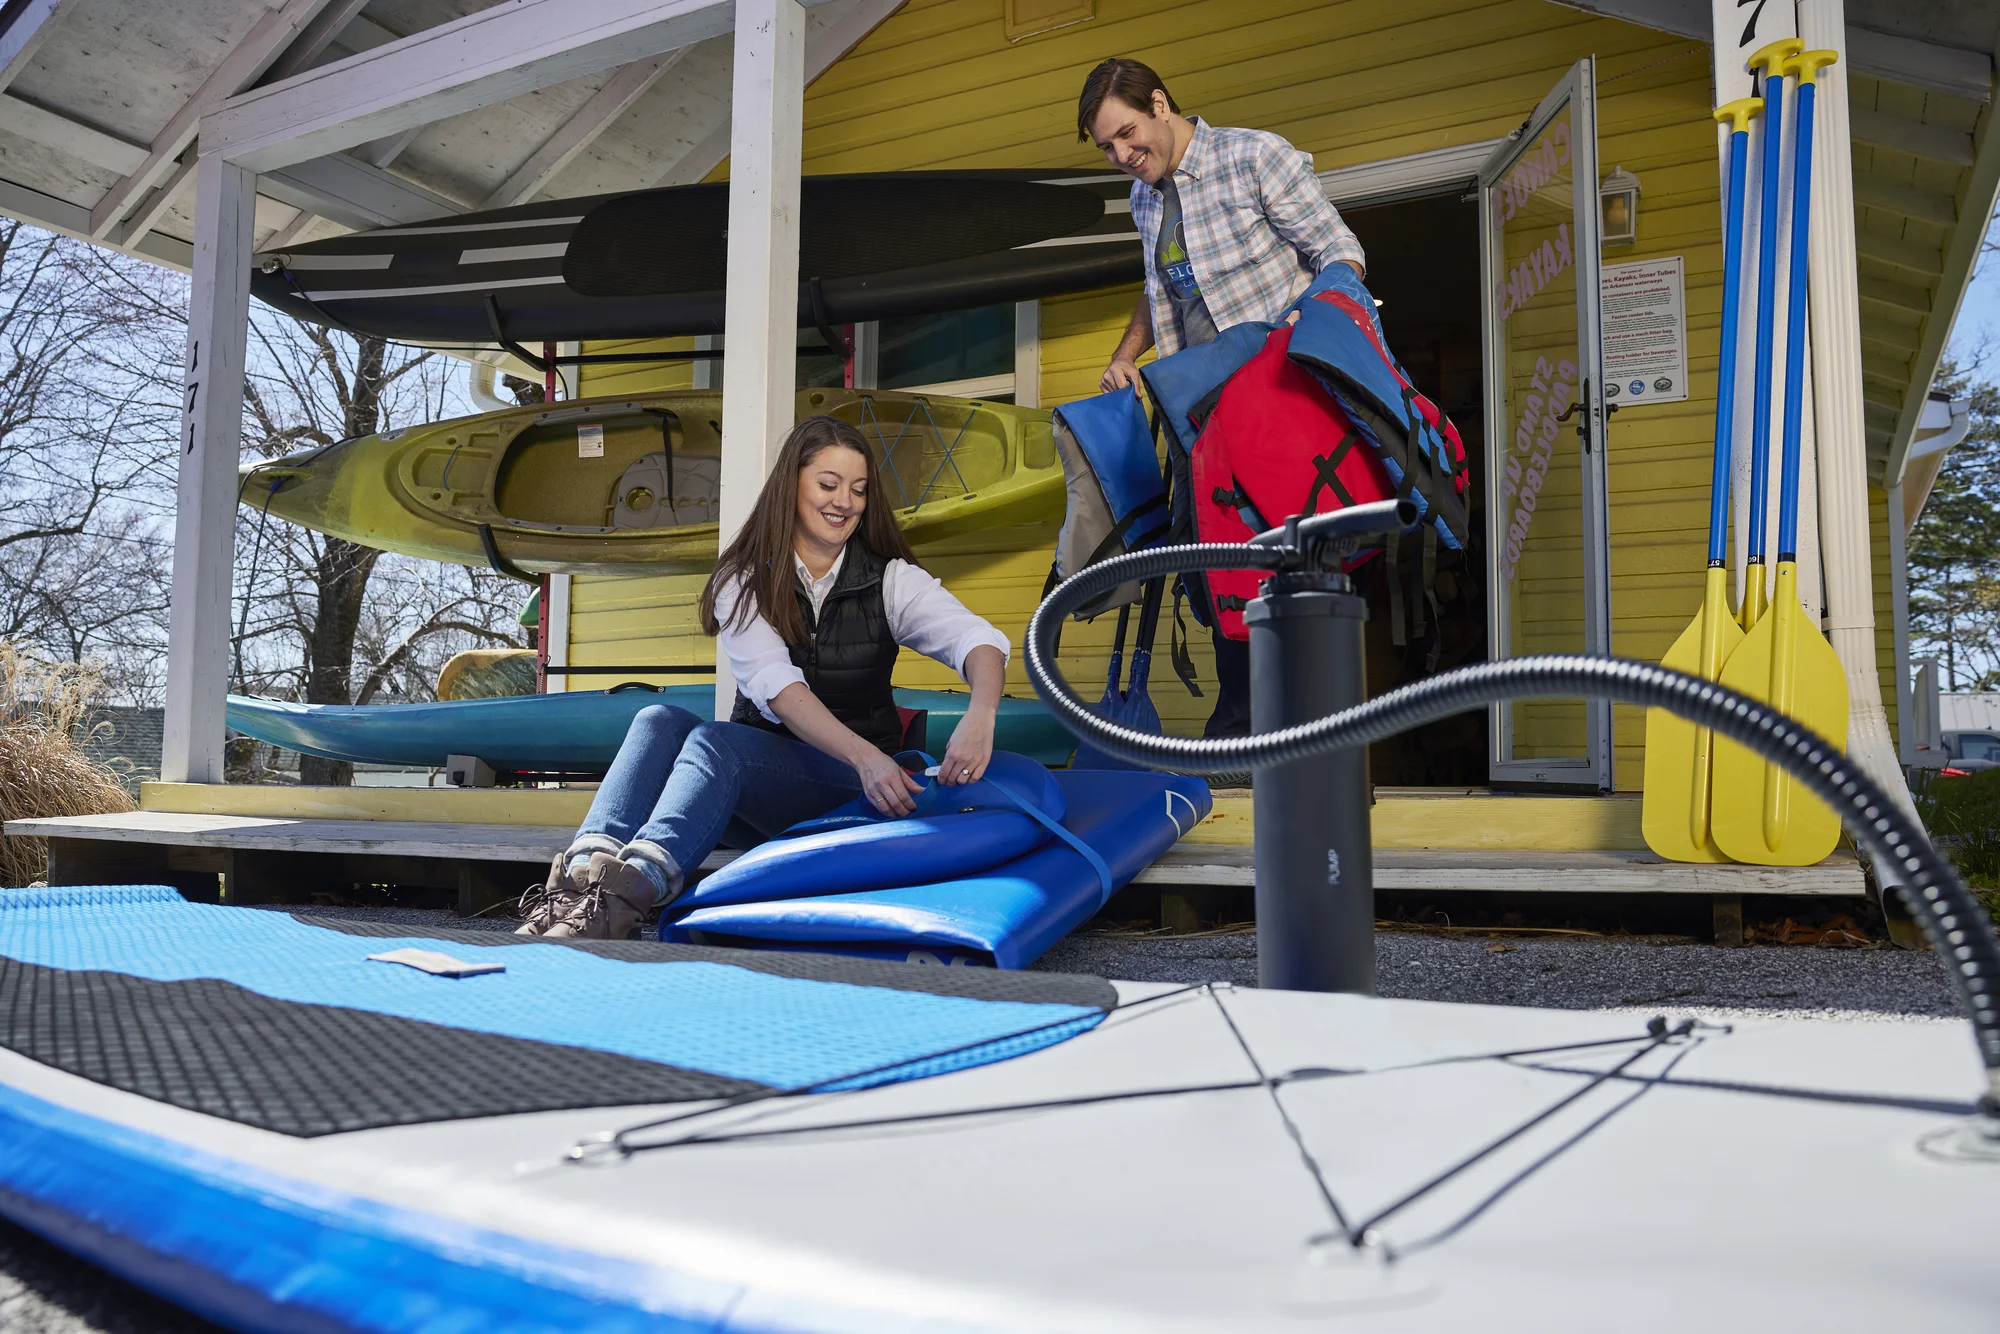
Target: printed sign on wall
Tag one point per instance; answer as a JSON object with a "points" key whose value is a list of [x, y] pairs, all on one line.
{"points": [[1645, 332]]}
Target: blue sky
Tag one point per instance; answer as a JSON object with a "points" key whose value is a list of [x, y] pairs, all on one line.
{"points": [[1979, 316]]}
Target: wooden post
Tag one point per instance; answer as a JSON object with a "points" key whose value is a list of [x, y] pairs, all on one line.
{"points": [[760, 312], [205, 492], [1728, 920]]}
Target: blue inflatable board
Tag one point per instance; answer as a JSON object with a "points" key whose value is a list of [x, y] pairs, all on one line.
{"points": [[957, 830], [577, 732], [1007, 916]]}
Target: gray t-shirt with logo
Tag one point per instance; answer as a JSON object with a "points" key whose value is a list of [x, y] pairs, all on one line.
{"points": [[1170, 257]]}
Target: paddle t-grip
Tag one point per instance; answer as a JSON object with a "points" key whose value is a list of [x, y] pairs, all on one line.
{"points": [[1314, 862]]}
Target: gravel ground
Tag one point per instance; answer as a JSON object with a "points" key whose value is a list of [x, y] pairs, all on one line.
{"points": [[45, 1291], [1569, 973]]}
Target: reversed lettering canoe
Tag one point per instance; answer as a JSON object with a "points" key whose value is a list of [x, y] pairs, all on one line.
{"points": [[633, 482]]}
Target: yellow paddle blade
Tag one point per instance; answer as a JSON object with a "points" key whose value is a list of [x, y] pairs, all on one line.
{"points": [[1754, 601], [1680, 756], [1760, 813]]}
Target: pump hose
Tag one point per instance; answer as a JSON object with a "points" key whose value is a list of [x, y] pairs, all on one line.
{"points": [[1958, 927]]}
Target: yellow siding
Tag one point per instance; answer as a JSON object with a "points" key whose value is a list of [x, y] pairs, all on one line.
{"points": [[638, 377]]}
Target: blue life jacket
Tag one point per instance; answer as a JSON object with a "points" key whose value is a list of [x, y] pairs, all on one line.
{"points": [[1339, 339], [1117, 500], [1184, 386]]}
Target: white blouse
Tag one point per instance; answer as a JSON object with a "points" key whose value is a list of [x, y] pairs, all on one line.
{"points": [[922, 615]]}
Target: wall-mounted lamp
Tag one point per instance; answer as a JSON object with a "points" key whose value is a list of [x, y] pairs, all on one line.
{"points": [[1618, 201]]}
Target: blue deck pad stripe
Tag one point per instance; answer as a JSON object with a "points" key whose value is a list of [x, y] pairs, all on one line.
{"points": [[259, 1251], [714, 1017]]}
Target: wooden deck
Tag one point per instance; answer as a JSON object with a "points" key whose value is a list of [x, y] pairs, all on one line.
{"points": [[266, 858]]}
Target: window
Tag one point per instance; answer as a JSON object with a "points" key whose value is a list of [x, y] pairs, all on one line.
{"points": [[939, 350], [1978, 746], [964, 354]]}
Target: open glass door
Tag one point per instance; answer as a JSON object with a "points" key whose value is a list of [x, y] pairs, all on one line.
{"points": [[1545, 431]]}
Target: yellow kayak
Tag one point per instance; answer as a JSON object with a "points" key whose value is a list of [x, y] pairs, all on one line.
{"points": [[633, 482]]}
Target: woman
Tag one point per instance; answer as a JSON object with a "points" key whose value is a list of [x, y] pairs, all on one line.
{"points": [[812, 620]]}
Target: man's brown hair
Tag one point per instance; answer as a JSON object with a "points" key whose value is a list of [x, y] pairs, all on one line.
{"points": [[1129, 81]]}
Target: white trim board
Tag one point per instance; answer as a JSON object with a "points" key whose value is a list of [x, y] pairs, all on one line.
{"points": [[1407, 177]]}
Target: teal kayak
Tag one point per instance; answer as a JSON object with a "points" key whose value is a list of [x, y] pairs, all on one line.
{"points": [[574, 733]]}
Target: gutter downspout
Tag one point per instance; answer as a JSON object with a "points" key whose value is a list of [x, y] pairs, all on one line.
{"points": [[1899, 604], [1835, 310]]}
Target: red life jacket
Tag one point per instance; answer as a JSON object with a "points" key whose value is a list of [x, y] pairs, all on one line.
{"points": [[1276, 444]]}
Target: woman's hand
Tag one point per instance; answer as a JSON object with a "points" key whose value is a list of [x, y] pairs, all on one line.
{"points": [[971, 747], [889, 788]]}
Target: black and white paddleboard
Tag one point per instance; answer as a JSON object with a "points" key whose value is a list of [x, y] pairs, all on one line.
{"points": [[650, 263]]}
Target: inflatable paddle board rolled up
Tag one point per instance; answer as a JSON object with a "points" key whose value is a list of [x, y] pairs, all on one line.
{"points": [[957, 830], [1008, 916]]}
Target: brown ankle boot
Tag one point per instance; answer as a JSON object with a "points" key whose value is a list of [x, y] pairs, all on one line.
{"points": [[546, 904], [616, 896]]}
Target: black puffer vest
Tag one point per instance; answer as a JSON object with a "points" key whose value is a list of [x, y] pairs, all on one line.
{"points": [[848, 655]]}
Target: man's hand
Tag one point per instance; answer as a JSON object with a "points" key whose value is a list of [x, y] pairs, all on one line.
{"points": [[1121, 372]]}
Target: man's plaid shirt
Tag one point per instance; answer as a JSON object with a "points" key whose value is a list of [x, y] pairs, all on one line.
{"points": [[1259, 228]]}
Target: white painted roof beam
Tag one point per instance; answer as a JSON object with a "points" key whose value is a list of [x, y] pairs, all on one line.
{"points": [[268, 40], [38, 123], [824, 45], [472, 62], [577, 133], [73, 220], [25, 35], [355, 193], [314, 38]]}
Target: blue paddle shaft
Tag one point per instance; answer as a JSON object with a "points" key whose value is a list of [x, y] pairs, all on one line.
{"points": [[1725, 389], [1795, 329], [1767, 310]]}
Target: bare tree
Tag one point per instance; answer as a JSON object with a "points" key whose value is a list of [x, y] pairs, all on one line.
{"points": [[325, 619], [91, 344], [89, 412]]}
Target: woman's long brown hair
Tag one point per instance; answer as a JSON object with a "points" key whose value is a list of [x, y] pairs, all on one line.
{"points": [[761, 554]]}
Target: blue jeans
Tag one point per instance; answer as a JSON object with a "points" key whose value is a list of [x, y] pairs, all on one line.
{"points": [[679, 786]]}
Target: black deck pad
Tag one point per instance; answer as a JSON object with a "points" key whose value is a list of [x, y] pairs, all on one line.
{"points": [[216, 1048]]}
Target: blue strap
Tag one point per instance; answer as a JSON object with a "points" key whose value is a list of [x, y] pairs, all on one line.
{"points": [[1039, 816], [1090, 854]]}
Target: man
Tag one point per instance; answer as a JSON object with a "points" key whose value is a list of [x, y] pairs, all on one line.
{"points": [[1234, 226]]}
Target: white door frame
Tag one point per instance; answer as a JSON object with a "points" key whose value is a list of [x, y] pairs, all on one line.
{"points": [[1577, 91]]}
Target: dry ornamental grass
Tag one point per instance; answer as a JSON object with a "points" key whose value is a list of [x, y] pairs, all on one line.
{"points": [[45, 712]]}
